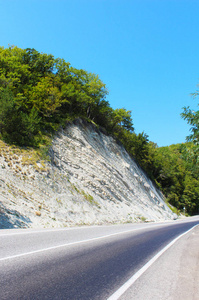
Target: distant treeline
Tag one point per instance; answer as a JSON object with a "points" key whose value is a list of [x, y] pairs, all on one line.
{"points": [[39, 94]]}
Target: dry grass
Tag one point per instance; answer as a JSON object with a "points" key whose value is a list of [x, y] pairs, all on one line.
{"points": [[23, 156]]}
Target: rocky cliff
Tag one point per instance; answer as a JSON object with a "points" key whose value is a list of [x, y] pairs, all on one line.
{"points": [[89, 179]]}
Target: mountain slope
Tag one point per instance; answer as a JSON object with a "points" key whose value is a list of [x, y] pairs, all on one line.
{"points": [[90, 179]]}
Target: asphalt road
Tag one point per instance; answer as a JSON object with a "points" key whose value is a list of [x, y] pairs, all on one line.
{"points": [[79, 263]]}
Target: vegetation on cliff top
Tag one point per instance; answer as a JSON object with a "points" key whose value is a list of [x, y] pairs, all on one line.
{"points": [[39, 94]]}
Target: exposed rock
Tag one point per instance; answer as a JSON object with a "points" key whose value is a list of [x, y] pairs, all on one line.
{"points": [[90, 179]]}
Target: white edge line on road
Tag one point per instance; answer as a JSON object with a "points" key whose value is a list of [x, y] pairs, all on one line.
{"points": [[25, 231], [128, 283], [64, 229], [73, 243], [50, 230]]}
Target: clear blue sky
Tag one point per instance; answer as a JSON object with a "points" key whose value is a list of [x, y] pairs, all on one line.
{"points": [[145, 51]]}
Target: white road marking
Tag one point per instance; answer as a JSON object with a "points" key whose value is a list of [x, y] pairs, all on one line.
{"points": [[29, 231], [50, 230], [75, 243], [26, 231], [128, 284]]}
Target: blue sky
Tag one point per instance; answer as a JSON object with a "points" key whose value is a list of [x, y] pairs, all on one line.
{"points": [[145, 51]]}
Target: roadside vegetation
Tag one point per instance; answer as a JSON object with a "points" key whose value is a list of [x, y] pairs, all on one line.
{"points": [[40, 93]]}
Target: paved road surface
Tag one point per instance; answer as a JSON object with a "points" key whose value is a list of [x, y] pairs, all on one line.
{"points": [[79, 263]]}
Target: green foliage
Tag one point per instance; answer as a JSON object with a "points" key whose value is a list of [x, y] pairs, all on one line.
{"points": [[122, 119], [192, 118], [191, 194], [16, 126], [39, 94], [6, 107], [177, 172]]}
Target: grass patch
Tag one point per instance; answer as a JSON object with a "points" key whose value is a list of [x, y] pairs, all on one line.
{"points": [[90, 199], [36, 157], [75, 188], [173, 209]]}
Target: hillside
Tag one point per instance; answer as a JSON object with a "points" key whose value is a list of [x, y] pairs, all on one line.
{"points": [[39, 94], [89, 179]]}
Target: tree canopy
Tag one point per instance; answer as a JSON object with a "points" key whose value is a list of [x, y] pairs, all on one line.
{"points": [[192, 118], [40, 93]]}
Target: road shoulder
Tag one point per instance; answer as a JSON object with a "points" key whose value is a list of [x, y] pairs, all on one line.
{"points": [[173, 276]]}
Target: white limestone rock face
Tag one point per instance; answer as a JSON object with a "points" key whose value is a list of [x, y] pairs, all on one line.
{"points": [[90, 179]]}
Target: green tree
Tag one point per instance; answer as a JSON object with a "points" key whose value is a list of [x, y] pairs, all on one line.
{"points": [[122, 119], [191, 195], [6, 108], [23, 128], [45, 97], [16, 126], [192, 118]]}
